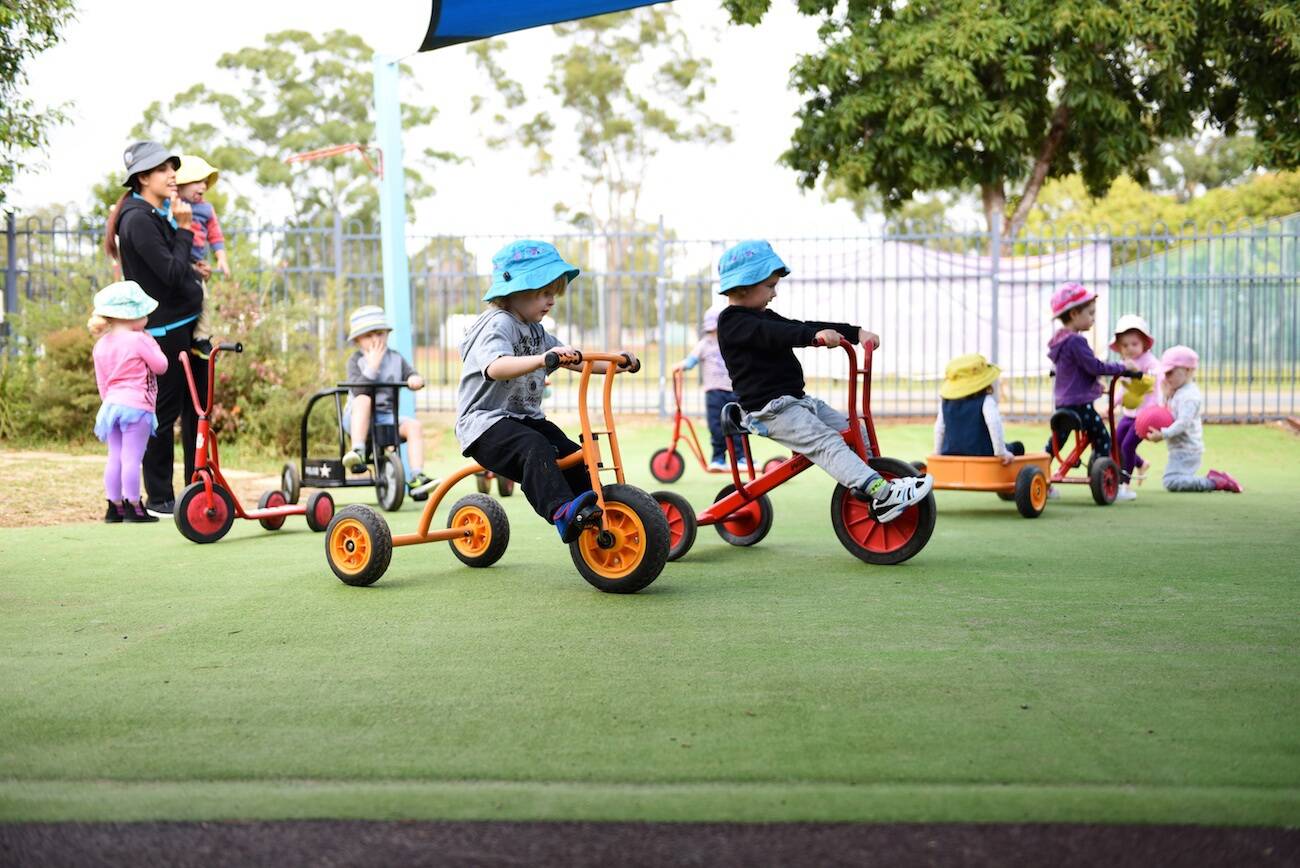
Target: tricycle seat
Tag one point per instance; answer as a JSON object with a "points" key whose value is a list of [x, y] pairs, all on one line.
{"points": [[733, 420], [1063, 422]]}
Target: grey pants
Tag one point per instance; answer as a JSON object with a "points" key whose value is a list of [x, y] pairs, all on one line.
{"points": [[812, 427], [1180, 472]]}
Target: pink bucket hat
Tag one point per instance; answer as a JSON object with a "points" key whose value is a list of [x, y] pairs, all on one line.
{"points": [[1070, 296], [1179, 357]]}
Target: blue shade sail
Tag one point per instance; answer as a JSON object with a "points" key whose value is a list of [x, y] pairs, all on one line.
{"points": [[454, 21]]}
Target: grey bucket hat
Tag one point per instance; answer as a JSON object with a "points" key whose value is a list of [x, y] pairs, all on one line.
{"points": [[143, 156]]}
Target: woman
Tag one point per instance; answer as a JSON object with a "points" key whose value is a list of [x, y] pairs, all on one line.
{"points": [[148, 232]]}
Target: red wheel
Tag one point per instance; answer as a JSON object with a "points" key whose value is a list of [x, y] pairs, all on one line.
{"points": [[667, 465], [772, 464], [748, 525], [270, 499], [1103, 479], [202, 518], [681, 522], [320, 510], [876, 543]]}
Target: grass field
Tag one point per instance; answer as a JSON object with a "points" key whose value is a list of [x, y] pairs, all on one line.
{"points": [[1137, 663]]}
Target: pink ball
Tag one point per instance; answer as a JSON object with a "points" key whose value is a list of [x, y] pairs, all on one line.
{"points": [[1153, 417]]}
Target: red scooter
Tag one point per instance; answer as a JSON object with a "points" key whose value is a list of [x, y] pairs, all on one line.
{"points": [[668, 465], [207, 507], [742, 513]]}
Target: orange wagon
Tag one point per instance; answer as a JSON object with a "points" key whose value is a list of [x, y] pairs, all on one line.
{"points": [[1024, 480]]}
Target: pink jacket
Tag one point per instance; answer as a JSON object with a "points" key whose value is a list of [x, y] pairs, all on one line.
{"points": [[126, 367], [1149, 365]]}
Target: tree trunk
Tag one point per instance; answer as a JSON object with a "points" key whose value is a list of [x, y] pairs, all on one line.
{"points": [[1051, 145], [995, 206]]}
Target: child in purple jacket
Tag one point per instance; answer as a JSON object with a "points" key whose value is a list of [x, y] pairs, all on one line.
{"points": [[1077, 366]]}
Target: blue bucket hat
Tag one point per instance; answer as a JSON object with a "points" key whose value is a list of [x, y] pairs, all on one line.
{"points": [[748, 263], [124, 300], [522, 266]]}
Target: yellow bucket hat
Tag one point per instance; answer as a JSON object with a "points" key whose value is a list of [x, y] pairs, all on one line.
{"points": [[195, 168], [966, 375]]}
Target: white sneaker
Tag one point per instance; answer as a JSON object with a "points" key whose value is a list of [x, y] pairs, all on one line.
{"points": [[1125, 493], [1053, 493], [719, 465], [901, 493], [742, 464]]}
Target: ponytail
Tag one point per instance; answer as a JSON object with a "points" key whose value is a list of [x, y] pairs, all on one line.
{"points": [[110, 228]]}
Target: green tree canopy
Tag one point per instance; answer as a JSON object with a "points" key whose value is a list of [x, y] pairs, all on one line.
{"points": [[1001, 95], [27, 27], [295, 93]]}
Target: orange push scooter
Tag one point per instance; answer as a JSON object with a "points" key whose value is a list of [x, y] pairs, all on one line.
{"points": [[207, 507], [667, 465], [623, 554]]}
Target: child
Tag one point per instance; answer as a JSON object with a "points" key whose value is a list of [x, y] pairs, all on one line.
{"points": [[968, 422], [374, 361], [758, 347], [193, 179], [1178, 365], [127, 363], [717, 389], [1077, 367], [1133, 341], [500, 423]]}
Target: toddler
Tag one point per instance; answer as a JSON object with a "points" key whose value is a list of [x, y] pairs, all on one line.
{"points": [[758, 347], [1178, 365], [500, 423], [127, 363], [1133, 342], [193, 179], [969, 422], [374, 361], [717, 389]]}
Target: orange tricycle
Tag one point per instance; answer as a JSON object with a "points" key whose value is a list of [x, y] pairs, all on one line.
{"points": [[621, 554]]}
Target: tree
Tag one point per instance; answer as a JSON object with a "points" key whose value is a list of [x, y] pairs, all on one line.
{"points": [[1192, 166], [295, 93], [928, 95], [27, 27]]}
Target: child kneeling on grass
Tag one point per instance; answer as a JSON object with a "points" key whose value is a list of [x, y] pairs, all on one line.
{"points": [[969, 422], [758, 347], [500, 423], [1184, 436]]}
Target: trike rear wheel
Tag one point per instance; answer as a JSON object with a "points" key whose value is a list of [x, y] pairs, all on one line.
{"points": [[390, 482], [488, 526], [682, 526], [358, 545], [202, 519], [1031, 491], [320, 510], [748, 525], [630, 549], [876, 543], [1103, 479], [266, 501]]}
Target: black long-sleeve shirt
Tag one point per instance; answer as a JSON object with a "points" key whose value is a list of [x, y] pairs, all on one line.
{"points": [[758, 347], [157, 257]]}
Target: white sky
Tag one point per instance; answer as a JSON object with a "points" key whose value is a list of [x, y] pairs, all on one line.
{"points": [[734, 190]]}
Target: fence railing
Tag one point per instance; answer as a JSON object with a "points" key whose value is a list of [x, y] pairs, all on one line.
{"points": [[1232, 292]]}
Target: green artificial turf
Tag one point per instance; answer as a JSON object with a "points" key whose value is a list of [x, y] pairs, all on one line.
{"points": [[1136, 663]]}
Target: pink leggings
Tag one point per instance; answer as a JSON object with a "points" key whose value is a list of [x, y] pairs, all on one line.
{"points": [[125, 452]]}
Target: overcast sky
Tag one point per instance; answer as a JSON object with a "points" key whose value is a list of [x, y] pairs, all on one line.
{"points": [[735, 190]]}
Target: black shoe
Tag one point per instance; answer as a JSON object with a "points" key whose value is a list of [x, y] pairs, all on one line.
{"points": [[161, 507], [113, 514], [134, 512]]}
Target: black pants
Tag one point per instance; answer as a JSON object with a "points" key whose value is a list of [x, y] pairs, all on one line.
{"points": [[173, 402], [1098, 433], [526, 451]]}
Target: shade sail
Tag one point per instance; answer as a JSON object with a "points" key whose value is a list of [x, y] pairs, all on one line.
{"points": [[455, 21]]}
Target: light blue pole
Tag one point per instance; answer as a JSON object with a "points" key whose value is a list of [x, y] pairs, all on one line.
{"points": [[392, 215]]}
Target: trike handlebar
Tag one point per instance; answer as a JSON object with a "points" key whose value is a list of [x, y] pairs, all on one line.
{"points": [[371, 384], [623, 361], [228, 347]]}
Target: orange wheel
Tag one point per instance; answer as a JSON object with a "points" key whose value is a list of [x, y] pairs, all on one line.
{"points": [[358, 545], [1031, 491], [487, 530], [629, 550]]}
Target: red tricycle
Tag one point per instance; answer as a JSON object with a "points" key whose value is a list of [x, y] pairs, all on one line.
{"points": [[1103, 472], [207, 507], [668, 465], [742, 511]]}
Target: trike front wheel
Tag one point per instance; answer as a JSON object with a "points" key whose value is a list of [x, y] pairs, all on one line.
{"points": [[630, 548], [204, 519]]}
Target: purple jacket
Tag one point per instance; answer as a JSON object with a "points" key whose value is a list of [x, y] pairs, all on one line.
{"points": [[1077, 369]]}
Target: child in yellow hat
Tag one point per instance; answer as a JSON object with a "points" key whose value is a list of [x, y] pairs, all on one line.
{"points": [[969, 422], [194, 178]]}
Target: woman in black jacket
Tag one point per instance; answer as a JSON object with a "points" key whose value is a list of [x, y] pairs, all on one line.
{"points": [[148, 232]]}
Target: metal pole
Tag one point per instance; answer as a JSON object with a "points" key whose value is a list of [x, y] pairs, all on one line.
{"points": [[995, 256], [338, 278], [662, 306], [11, 267]]}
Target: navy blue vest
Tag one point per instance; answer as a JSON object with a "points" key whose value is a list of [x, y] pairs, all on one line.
{"points": [[964, 431]]}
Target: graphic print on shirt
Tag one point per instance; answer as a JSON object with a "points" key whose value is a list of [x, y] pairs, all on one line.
{"points": [[525, 397]]}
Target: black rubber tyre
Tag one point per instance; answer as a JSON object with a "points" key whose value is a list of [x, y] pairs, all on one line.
{"points": [[505, 487], [490, 526], [358, 545], [750, 525], [200, 521], [290, 483], [882, 544], [1031, 491], [1103, 479], [482, 482], [631, 551], [320, 510], [269, 499], [682, 526], [667, 465], [390, 482], [1008, 496], [772, 464]]}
